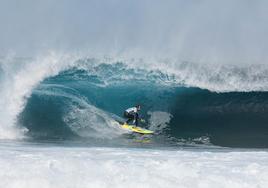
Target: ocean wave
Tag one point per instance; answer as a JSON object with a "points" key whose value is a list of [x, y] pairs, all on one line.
{"points": [[66, 96]]}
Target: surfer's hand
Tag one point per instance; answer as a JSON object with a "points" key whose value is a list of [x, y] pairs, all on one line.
{"points": [[143, 121]]}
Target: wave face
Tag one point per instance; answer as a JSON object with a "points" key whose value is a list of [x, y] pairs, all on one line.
{"points": [[83, 102]]}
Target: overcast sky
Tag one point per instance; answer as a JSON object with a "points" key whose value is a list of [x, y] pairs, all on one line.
{"points": [[189, 29]]}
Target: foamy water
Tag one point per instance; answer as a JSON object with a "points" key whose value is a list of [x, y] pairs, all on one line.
{"points": [[46, 166]]}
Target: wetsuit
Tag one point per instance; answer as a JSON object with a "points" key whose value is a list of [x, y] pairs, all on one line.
{"points": [[132, 115]]}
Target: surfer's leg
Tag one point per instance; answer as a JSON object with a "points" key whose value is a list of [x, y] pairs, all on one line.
{"points": [[129, 120], [136, 117], [129, 116]]}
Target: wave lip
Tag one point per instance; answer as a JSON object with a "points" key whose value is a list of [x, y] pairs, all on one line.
{"points": [[20, 76], [211, 76]]}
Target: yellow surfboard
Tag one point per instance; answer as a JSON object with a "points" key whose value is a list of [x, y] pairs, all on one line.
{"points": [[136, 129]]}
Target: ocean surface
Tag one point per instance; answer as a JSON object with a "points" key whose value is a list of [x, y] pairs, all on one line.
{"points": [[59, 124]]}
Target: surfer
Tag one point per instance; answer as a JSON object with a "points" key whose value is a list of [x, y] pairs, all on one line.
{"points": [[133, 115]]}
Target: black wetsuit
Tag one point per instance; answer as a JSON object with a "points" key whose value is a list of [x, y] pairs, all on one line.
{"points": [[132, 115]]}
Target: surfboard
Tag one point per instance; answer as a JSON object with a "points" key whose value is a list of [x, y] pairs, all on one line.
{"points": [[136, 129]]}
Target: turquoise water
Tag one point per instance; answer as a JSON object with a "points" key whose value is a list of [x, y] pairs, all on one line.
{"points": [[83, 104]]}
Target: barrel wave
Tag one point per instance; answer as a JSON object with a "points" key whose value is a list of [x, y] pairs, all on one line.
{"points": [[86, 101], [69, 70]]}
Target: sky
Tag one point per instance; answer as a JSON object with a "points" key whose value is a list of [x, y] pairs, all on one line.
{"points": [[192, 30]]}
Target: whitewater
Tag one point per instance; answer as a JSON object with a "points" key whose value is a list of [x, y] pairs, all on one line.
{"points": [[121, 167], [68, 70]]}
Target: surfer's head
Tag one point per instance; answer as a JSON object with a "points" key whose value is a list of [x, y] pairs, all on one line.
{"points": [[138, 107]]}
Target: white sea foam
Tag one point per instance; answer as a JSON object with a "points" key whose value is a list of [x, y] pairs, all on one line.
{"points": [[49, 167]]}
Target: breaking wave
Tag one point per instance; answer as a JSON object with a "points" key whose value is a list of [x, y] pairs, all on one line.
{"points": [[64, 97]]}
